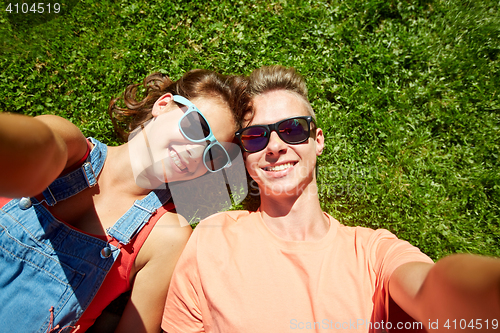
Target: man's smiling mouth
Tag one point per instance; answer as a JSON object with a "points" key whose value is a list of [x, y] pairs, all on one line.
{"points": [[280, 167]]}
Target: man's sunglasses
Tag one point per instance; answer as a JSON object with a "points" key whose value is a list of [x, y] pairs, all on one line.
{"points": [[291, 130], [194, 126]]}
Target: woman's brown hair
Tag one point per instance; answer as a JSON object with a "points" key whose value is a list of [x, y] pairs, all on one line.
{"points": [[195, 83]]}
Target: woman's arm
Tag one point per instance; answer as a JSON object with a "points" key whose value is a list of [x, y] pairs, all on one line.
{"points": [[458, 287], [156, 261], [34, 151]]}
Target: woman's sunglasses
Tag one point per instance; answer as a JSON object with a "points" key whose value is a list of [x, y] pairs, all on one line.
{"points": [[291, 130], [194, 126]]}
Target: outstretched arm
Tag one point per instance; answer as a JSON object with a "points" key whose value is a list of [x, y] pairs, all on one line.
{"points": [[34, 151], [458, 287]]}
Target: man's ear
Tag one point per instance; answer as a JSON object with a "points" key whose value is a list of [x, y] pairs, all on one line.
{"points": [[161, 104], [320, 141]]}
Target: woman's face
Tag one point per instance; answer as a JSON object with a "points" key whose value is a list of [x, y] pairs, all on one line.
{"points": [[160, 153]]}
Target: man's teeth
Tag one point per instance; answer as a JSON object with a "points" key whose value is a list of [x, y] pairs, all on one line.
{"points": [[280, 167], [177, 160]]}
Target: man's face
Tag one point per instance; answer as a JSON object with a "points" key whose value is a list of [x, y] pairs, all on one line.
{"points": [[283, 169]]}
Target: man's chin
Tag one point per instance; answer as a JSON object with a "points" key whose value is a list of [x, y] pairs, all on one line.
{"points": [[278, 190]]}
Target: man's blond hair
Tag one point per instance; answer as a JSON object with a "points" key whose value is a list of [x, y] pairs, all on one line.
{"points": [[277, 77]]}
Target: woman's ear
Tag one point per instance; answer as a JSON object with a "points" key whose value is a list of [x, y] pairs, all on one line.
{"points": [[161, 104]]}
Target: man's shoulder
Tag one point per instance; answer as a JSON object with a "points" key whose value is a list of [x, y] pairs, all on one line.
{"points": [[225, 218], [218, 235], [226, 222], [364, 234]]}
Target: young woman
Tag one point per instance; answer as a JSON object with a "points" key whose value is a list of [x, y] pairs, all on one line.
{"points": [[83, 232]]}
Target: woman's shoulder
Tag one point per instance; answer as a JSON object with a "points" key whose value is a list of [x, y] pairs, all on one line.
{"points": [[166, 239], [171, 227]]}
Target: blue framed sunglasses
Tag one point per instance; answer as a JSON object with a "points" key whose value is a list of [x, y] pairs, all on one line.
{"points": [[194, 127], [293, 130]]}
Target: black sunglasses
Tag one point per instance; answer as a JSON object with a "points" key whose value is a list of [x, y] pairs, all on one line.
{"points": [[293, 130]]}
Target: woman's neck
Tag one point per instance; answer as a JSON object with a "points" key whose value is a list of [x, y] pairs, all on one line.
{"points": [[296, 218], [118, 172]]}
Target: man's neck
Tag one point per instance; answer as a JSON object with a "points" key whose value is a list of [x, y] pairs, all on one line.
{"points": [[295, 218]]}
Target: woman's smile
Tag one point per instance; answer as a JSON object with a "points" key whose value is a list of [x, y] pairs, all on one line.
{"points": [[177, 160]]}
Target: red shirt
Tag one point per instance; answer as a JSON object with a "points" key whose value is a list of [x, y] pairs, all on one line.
{"points": [[118, 279]]}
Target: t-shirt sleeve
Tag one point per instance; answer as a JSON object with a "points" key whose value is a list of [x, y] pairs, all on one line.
{"points": [[182, 312], [388, 253]]}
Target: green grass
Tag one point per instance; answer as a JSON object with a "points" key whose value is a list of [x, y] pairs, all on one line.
{"points": [[407, 92]]}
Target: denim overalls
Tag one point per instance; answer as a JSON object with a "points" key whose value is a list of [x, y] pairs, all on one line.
{"points": [[46, 264]]}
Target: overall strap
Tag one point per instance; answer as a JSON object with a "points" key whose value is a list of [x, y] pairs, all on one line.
{"points": [[75, 181], [80, 179], [138, 215]]}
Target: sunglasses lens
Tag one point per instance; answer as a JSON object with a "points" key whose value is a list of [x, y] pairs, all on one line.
{"points": [[294, 130], [195, 126], [216, 158], [254, 138]]}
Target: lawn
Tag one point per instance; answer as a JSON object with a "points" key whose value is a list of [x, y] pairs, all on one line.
{"points": [[407, 92]]}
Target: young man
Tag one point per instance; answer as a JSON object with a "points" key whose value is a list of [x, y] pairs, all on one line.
{"points": [[290, 266]]}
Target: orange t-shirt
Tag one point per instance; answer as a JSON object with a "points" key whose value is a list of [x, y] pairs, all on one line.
{"points": [[235, 275]]}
